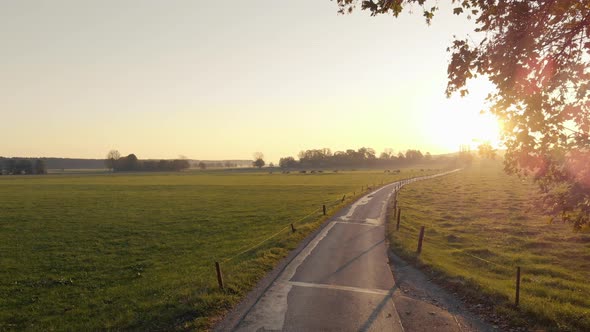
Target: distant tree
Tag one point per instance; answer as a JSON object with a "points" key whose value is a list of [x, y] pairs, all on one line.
{"points": [[315, 157], [427, 156], [40, 167], [414, 155], [133, 160], [258, 159], [129, 163], [386, 154], [258, 163], [271, 165], [287, 162], [366, 154], [111, 159], [485, 150], [202, 165]]}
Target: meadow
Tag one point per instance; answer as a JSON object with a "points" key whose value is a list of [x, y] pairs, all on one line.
{"points": [[137, 251], [480, 225]]}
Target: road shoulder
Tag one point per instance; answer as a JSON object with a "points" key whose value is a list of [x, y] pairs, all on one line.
{"points": [[232, 319], [424, 306]]}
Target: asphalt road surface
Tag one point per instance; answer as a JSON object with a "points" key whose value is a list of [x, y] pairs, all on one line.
{"points": [[341, 281]]}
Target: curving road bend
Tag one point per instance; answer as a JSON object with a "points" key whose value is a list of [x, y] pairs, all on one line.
{"points": [[341, 281]]}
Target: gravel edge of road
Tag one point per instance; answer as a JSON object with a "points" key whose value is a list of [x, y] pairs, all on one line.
{"points": [[414, 284]]}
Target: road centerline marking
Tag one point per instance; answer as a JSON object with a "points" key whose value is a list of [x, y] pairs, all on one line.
{"points": [[357, 223], [342, 288]]}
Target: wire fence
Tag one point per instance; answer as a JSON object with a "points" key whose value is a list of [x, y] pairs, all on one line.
{"points": [[409, 231], [286, 227], [327, 208]]}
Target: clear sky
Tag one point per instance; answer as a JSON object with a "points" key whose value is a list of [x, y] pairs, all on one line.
{"points": [[220, 80]]}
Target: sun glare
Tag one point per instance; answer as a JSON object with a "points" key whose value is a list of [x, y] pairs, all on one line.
{"points": [[485, 128], [452, 129]]}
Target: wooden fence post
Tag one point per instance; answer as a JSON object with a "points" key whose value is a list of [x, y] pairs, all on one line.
{"points": [[517, 297], [399, 214], [219, 276], [293, 228], [420, 239], [324, 208], [343, 197]]}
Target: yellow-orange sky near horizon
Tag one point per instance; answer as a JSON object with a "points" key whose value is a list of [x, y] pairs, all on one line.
{"points": [[162, 79]]}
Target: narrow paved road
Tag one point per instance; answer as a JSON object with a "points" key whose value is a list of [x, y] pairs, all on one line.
{"points": [[341, 281]]}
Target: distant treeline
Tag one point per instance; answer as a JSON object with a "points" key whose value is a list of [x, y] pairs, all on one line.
{"points": [[131, 163], [115, 162], [363, 157], [20, 166], [66, 163], [220, 163], [77, 163]]}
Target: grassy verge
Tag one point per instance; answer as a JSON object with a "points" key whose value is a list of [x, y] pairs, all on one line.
{"points": [[481, 224], [136, 251]]}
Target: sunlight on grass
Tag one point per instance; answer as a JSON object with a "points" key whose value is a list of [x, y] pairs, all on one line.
{"points": [[481, 224], [136, 251]]}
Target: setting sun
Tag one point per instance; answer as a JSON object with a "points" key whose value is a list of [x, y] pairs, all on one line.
{"points": [[451, 129], [460, 122]]}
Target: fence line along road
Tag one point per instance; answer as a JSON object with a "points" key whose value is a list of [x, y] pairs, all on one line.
{"points": [[326, 204], [455, 250]]}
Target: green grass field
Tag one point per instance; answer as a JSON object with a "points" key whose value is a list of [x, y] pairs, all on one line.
{"points": [[137, 251], [481, 224]]}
